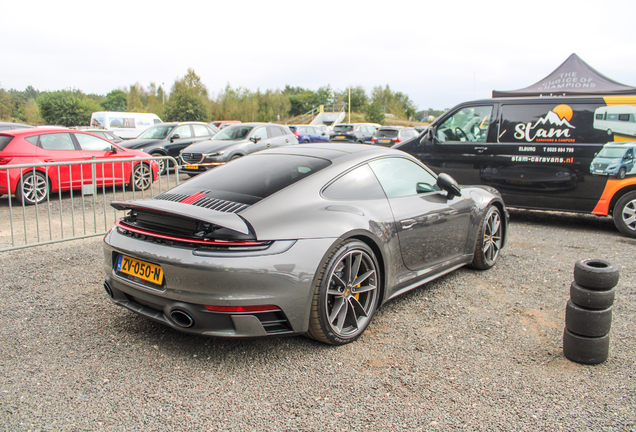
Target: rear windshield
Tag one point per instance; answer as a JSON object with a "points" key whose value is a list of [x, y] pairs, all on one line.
{"points": [[250, 179], [386, 133], [4, 141], [158, 132], [233, 133], [292, 128], [343, 128]]}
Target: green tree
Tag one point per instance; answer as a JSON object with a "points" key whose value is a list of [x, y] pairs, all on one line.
{"points": [[359, 98], [6, 106], [115, 101], [66, 107], [133, 99], [374, 113], [186, 107]]}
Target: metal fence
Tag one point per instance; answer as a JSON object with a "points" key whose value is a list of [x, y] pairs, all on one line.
{"points": [[61, 201]]}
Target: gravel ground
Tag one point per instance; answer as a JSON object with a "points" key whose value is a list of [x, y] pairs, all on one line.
{"points": [[471, 351]]}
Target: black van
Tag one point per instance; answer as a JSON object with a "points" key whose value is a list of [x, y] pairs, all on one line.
{"points": [[538, 152]]}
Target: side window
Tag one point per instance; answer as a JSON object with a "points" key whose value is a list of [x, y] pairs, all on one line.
{"points": [[57, 141], [401, 177], [32, 139], [469, 124], [356, 185], [156, 121], [92, 143], [201, 131], [274, 131], [260, 132], [183, 131]]}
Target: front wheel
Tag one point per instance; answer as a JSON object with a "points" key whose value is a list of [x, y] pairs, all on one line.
{"points": [[346, 295], [141, 177], [488, 240], [163, 163], [33, 188], [625, 214], [621, 173]]}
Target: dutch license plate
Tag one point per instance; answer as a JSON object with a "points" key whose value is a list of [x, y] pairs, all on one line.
{"points": [[141, 269], [192, 167], [385, 140], [339, 136]]}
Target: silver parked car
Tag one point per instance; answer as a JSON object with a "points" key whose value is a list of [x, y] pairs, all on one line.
{"points": [[307, 239], [232, 143]]}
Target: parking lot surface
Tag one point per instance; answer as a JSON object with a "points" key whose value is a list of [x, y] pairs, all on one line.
{"points": [[473, 350]]}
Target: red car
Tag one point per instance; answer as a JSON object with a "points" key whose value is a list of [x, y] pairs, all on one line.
{"points": [[42, 145]]}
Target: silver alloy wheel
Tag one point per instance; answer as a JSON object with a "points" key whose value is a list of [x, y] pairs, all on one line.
{"points": [[142, 176], [34, 188], [352, 294], [628, 214], [492, 237], [161, 162]]}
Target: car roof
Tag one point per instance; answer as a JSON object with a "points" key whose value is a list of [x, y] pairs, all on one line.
{"points": [[334, 151]]}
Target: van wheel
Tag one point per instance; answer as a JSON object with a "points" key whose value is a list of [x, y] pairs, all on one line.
{"points": [[621, 173], [625, 214]]}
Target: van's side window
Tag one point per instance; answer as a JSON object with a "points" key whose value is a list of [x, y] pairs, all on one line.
{"points": [[466, 125]]}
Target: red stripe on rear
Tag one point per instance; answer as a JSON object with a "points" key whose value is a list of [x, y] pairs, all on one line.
{"points": [[192, 198]]}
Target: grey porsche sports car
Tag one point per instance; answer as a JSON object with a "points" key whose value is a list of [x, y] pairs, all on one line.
{"points": [[305, 239]]}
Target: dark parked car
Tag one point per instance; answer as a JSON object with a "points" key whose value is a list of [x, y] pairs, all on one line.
{"points": [[168, 139], [40, 145], [308, 133], [388, 136], [105, 134], [297, 240], [354, 132], [234, 142], [10, 126]]}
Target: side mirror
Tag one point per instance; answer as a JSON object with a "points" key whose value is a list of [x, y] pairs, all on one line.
{"points": [[174, 137], [114, 149], [255, 139], [447, 183]]}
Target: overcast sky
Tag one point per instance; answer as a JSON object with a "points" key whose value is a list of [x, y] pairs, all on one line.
{"points": [[438, 53]]}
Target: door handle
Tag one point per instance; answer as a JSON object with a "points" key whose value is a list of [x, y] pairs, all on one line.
{"points": [[408, 223], [481, 149]]}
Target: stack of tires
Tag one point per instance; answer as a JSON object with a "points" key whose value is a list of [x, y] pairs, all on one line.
{"points": [[588, 315]]}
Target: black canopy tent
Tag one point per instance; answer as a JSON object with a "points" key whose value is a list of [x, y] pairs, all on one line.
{"points": [[573, 78]]}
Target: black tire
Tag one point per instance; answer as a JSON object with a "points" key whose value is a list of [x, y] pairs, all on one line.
{"points": [[591, 299], [596, 274], [346, 295], [587, 322], [163, 163], [235, 157], [489, 240], [32, 188], [625, 214], [306, 142], [141, 177], [585, 350], [621, 173]]}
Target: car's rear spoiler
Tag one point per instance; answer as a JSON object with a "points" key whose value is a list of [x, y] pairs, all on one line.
{"points": [[227, 220]]}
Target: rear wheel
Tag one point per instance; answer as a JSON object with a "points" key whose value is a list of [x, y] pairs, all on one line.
{"points": [[488, 240], [141, 177], [346, 295], [33, 188], [625, 214]]}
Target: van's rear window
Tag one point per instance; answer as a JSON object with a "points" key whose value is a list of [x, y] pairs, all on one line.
{"points": [[4, 141]]}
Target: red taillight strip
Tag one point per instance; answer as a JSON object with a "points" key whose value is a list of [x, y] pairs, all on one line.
{"points": [[264, 308], [122, 225]]}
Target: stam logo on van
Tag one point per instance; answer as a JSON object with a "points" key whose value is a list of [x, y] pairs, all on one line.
{"points": [[553, 127]]}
